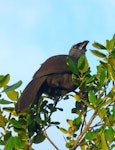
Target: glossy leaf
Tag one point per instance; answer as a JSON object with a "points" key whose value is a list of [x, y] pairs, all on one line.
{"points": [[111, 73], [92, 98], [77, 97], [39, 138], [13, 87], [104, 145], [111, 61], [110, 44], [98, 54], [70, 122], [77, 120], [98, 45], [13, 95], [4, 80], [102, 112], [63, 130], [72, 65], [83, 65]]}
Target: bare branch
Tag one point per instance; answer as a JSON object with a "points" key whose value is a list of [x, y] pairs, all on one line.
{"points": [[45, 134], [84, 131]]}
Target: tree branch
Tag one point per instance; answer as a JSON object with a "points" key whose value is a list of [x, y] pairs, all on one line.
{"points": [[84, 131], [45, 134]]}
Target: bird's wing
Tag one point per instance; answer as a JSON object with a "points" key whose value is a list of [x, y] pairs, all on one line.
{"points": [[29, 94], [53, 65]]}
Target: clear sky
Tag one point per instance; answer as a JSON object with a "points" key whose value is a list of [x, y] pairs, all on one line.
{"points": [[33, 30]]}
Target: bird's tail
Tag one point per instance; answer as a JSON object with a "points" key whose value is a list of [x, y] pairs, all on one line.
{"points": [[29, 94]]}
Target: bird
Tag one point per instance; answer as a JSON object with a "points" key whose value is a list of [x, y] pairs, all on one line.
{"points": [[53, 78]]}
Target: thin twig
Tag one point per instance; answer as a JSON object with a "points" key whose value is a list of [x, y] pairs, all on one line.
{"points": [[45, 134], [84, 131]]}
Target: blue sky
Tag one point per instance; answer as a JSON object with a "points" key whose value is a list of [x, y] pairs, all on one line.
{"points": [[32, 31]]}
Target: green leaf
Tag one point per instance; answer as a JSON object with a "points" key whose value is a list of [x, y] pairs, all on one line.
{"points": [[39, 138], [8, 109], [77, 120], [4, 80], [109, 134], [2, 120], [90, 79], [104, 145], [83, 65], [13, 143], [72, 65], [111, 73], [113, 37], [89, 135], [63, 130], [92, 98], [102, 112], [70, 122], [15, 123], [101, 75], [98, 45], [13, 95], [110, 44], [13, 87], [111, 61], [5, 102], [98, 54]]}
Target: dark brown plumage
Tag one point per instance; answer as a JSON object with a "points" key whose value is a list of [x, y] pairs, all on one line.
{"points": [[53, 78]]}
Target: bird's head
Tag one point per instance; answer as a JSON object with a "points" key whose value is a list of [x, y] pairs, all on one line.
{"points": [[78, 49]]}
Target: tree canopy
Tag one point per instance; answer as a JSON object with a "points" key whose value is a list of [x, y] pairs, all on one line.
{"points": [[94, 97]]}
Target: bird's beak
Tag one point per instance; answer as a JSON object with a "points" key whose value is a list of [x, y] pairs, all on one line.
{"points": [[84, 44]]}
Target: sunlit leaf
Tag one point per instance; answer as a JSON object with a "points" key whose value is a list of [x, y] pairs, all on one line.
{"points": [[72, 65], [70, 122], [104, 145], [83, 65], [111, 73], [111, 61], [98, 45], [77, 97], [98, 54], [4, 80], [102, 112], [110, 44], [2, 120], [92, 98], [63, 130], [13, 95], [13, 87]]}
